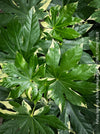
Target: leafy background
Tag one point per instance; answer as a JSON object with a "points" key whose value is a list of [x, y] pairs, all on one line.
{"points": [[49, 67]]}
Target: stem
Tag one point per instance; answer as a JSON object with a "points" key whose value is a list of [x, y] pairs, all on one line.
{"points": [[33, 109]]}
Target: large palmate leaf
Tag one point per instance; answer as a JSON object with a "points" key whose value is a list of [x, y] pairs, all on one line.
{"points": [[23, 121], [65, 72], [24, 76], [56, 23], [19, 38], [78, 121]]}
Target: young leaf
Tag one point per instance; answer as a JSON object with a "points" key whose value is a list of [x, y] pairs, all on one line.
{"points": [[58, 20]]}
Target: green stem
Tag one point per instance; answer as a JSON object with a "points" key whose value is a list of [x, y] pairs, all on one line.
{"points": [[33, 109]]}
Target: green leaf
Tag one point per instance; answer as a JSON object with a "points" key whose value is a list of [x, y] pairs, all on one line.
{"points": [[31, 31], [78, 121], [86, 59], [61, 87], [66, 44], [4, 92], [19, 8], [53, 55], [71, 57], [5, 18], [51, 120], [56, 23], [44, 4], [20, 78], [44, 45], [83, 87], [68, 33], [56, 2], [74, 97], [82, 29], [33, 62], [36, 123], [83, 72], [69, 9], [19, 38], [21, 63], [84, 11], [95, 3], [56, 91], [69, 79], [64, 117], [42, 110], [63, 22], [96, 16], [94, 46], [10, 39]]}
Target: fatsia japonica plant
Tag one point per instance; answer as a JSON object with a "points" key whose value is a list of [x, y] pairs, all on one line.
{"points": [[48, 67]]}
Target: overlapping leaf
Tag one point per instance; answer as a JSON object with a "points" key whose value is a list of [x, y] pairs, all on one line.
{"points": [[22, 121], [64, 74]]}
